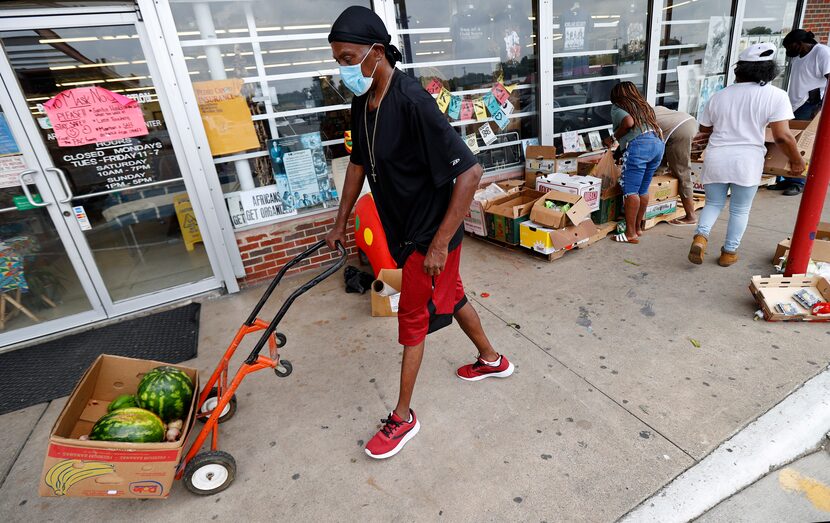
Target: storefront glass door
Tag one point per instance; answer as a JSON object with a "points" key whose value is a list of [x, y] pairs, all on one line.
{"points": [[39, 284], [84, 89]]}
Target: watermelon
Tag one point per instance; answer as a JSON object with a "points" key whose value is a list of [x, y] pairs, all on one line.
{"points": [[122, 402], [132, 424], [167, 391]]}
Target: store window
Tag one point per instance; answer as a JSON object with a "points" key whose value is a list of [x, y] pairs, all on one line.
{"points": [[595, 46], [274, 108], [471, 48], [694, 52], [769, 21]]}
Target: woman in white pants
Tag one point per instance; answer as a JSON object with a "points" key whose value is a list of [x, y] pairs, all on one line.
{"points": [[733, 125]]}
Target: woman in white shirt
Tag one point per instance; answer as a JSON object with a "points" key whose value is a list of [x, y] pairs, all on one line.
{"points": [[733, 124]]}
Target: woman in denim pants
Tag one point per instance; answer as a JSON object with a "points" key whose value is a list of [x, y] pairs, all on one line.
{"points": [[639, 135], [733, 125]]}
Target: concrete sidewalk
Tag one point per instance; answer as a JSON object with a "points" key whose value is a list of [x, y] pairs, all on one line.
{"points": [[610, 399]]}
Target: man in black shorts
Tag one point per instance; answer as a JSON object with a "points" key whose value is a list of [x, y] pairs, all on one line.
{"points": [[423, 177]]}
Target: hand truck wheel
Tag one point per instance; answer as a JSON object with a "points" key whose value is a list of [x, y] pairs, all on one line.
{"points": [[210, 404], [284, 369], [209, 473], [281, 340]]}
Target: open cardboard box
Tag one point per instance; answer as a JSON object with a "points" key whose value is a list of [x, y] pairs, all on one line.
{"points": [[821, 246], [110, 469], [548, 241], [505, 215], [555, 219], [768, 292], [776, 162], [384, 306], [539, 160], [588, 187]]}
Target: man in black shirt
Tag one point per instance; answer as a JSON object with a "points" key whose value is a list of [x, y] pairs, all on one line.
{"points": [[423, 177]]}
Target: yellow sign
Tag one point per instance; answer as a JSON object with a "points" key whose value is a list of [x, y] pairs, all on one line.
{"points": [[481, 109], [187, 221], [444, 98], [226, 116]]}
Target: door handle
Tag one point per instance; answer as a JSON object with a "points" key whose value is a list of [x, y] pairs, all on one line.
{"points": [[24, 186], [64, 184]]}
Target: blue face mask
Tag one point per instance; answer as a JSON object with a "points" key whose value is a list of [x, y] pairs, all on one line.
{"points": [[352, 76]]}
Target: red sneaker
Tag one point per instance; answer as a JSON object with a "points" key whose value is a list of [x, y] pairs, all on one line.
{"points": [[391, 438], [480, 370]]}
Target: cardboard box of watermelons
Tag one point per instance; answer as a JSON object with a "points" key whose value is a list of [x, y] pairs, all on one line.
{"points": [[85, 468]]}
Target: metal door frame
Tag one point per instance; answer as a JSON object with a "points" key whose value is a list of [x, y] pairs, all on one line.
{"points": [[40, 158]]}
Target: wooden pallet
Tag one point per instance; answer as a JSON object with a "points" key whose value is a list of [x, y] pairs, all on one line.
{"points": [[699, 201], [602, 232]]}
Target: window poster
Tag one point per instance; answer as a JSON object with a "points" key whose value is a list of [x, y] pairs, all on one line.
{"points": [[717, 45], [258, 205], [688, 85], [87, 115], [226, 116], [709, 86], [300, 170]]}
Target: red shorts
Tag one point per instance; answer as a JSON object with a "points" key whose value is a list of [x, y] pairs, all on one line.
{"points": [[428, 303]]}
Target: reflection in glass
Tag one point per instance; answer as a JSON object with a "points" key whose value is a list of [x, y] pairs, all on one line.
{"points": [[139, 230], [37, 280], [468, 47], [596, 45]]}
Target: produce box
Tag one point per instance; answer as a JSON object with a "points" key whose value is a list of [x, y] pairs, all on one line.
{"points": [[555, 219], [821, 246], [610, 210], [506, 214], [568, 163], [548, 241], [663, 188], [777, 289], [661, 209], [776, 162], [78, 468], [586, 186], [386, 293], [539, 160]]}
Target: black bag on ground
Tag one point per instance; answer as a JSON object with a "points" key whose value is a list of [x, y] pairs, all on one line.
{"points": [[356, 280]]}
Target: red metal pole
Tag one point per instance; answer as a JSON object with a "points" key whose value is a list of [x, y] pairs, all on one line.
{"points": [[812, 200]]}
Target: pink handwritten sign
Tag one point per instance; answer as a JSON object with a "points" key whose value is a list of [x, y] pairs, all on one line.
{"points": [[93, 114], [434, 87], [467, 110], [500, 93]]}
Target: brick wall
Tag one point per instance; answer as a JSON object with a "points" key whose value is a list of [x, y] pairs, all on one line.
{"points": [[266, 249], [817, 19]]}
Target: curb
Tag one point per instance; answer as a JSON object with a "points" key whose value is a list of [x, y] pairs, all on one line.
{"points": [[789, 430]]}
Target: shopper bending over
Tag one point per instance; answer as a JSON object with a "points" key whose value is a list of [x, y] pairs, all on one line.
{"points": [[423, 177], [809, 71], [640, 139], [733, 124], [679, 129]]}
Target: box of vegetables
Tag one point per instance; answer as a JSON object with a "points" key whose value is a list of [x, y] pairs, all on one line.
{"points": [[121, 434]]}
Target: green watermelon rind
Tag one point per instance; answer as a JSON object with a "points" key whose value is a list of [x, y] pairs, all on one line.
{"points": [[122, 402], [166, 391], [129, 425]]}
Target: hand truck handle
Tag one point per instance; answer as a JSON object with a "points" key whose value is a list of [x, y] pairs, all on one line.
{"points": [[276, 281], [272, 327]]}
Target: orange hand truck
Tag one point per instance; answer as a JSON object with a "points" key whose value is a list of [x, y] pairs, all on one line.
{"points": [[213, 471]]}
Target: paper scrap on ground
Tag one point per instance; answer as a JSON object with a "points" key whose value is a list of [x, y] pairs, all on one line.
{"points": [[87, 115]]}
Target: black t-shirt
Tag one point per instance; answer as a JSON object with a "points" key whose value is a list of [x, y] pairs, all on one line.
{"points": [[418, 155]]}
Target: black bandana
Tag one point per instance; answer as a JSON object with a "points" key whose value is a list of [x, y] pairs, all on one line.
{"points": [[359, 25]]}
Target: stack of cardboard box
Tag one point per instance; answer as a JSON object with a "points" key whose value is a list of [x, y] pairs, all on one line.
{"points": [[561, 225]]}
